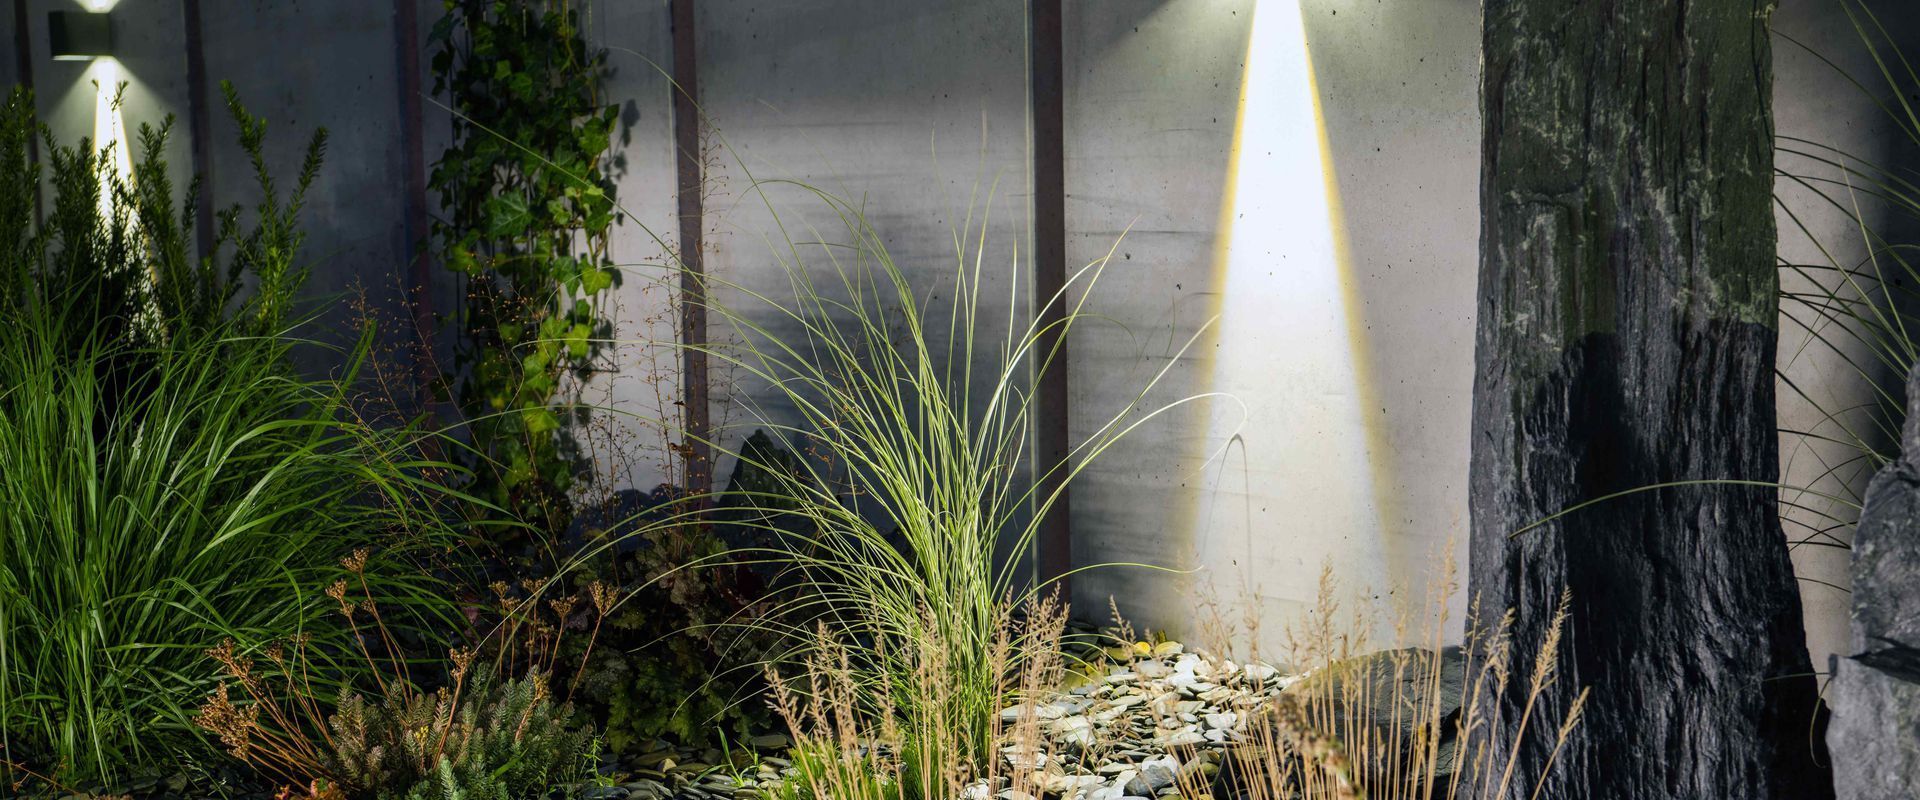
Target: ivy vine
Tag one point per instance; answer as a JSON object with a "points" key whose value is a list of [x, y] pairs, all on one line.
{"points": [[527, 210]]}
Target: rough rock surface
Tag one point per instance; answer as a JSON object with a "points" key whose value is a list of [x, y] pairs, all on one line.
{"points": [[1875, 732], [1399, 699], [1626, 340]]}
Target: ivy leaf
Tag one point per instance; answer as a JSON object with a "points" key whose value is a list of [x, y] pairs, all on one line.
{"points": [[540, 420], [518, 471], [565, 268], [598, 221], [510, 331], [507, 215], [593, 138], [594, 280], [462, 260], [537, 388], [577, 340]]}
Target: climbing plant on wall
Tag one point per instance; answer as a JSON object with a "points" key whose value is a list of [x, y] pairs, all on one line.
{"points": [[526, 211]]}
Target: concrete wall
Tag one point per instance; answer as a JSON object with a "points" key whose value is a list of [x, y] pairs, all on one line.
{"points": [[1321, 214], [303, 66], [1833, 388], [10, 68], [641, 381], [1306, 218], [915, 113], [150, 59]]}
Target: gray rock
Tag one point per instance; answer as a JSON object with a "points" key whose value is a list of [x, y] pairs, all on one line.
{"points": [[606, 793], [1152, 778], [1405, 705], [1621, 343], [771, 741], [1874, 736]]}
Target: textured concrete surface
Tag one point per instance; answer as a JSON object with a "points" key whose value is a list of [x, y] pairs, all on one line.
{"points": [[1827, 404], [1371, 277], [10, 69], [149, 57], [301, 66], [642, 370], [913, 112]]}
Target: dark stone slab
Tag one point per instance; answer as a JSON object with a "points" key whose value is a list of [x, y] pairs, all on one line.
{"points": [[1626, 339]]}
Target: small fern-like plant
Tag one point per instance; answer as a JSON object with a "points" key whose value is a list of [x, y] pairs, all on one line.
{"points": [[509, 739], [478, 736]]}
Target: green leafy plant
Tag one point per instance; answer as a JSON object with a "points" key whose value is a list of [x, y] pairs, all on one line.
{"points": [[487, 739], [169, 480], [633, 637], [529, 235], [81, 266], [145, 526], [115, 251]]}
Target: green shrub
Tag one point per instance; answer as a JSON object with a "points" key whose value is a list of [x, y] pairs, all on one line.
{"points": [[113, 255], [167, 480], [142, 527], [485, 739]]}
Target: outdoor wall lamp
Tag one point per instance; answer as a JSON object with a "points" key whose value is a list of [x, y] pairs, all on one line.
{"points": [[78, 35]]}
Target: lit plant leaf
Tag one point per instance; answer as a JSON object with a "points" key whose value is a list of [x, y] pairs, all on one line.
{"points": [[594, 280], [577, 340], [540, 420], [507, 215]]}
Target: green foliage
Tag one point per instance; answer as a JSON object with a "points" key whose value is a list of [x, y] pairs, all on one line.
{"points": [[80, 267], [915, 423], [484, 739], [169, 481], [666, 686], [116, 252], [528, 210], [145, 526]]}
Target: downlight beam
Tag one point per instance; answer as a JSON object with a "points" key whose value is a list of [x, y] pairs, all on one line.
{"points": [[1302, 464]]}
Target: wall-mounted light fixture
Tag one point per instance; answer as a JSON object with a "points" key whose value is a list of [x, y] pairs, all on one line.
{"points": [[79, 36]]}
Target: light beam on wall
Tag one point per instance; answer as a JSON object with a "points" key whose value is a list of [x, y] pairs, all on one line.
{"points": [[109, 126], [1296, 485]]}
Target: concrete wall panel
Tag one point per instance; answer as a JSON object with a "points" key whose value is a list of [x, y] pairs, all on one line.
{"points": [[913, 111], [1358, 463]]}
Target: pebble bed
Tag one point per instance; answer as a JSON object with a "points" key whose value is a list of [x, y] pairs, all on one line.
{"points": [[1110, 737]]}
